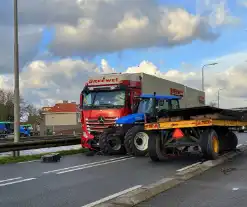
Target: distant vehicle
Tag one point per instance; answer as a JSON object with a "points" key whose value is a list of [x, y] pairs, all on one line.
{"points": [[7, 127], [29, 127]]}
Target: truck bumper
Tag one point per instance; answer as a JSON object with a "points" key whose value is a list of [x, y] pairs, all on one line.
{"points": [[90, 142]]}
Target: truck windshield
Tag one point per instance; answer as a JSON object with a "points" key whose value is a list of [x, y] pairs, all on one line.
{"points": [[104, 99], [145, 106]]}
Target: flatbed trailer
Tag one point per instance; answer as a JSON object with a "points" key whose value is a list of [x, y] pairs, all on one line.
{"points": [[199, 129]]}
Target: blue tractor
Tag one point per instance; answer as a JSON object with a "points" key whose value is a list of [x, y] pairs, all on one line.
{"points": [[128, 135]]}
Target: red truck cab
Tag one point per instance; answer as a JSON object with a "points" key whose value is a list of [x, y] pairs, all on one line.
{"points": [[103, 100]]}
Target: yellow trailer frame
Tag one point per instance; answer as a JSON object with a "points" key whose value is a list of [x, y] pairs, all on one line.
{"points": [[211, 137], [193, 123]]}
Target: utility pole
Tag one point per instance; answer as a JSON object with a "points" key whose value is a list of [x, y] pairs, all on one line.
{"points": [[203, 73], [16, 82]]}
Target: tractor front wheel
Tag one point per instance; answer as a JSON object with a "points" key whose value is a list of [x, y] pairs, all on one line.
{"points": [[111, 144], [136, 141]]}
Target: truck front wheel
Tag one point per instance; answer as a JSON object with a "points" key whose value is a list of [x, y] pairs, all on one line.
{"points": [[136, 141]]}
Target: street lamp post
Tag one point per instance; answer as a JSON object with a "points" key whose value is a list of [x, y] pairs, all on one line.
{"points": [[203, 73], [16, 78], [219, 96]]}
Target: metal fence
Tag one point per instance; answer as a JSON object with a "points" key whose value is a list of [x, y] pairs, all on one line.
{"points": [[7, 145]]}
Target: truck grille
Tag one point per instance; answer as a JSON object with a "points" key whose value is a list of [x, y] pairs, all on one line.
{"points": [[94, 125]]}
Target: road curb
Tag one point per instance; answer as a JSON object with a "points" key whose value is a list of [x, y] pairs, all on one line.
{"points": [[144, 193]]}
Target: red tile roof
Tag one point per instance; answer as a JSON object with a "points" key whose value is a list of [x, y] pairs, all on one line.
{"points": [[61, 107]]}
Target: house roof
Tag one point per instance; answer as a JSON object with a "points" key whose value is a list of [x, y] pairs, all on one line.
{"points": [[61, 107]]}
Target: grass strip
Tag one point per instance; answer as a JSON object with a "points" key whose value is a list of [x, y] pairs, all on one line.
{"points": [[25, 158]]}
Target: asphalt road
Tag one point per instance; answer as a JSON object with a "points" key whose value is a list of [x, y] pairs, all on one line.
{"points": [[222, 186], [79, 180]]}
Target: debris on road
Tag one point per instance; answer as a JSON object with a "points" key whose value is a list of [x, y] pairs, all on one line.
{"points": [[54, 157]]}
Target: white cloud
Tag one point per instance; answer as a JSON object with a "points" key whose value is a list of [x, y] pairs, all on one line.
{"points": [[232, 79], [242, 3], [89, 28], [92, 27], [216, 12], [45, 82], [29, 37], [136, 24], [59, 80]]}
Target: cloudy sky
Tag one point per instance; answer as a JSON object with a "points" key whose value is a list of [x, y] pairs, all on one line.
{"points": [[62, 42]]}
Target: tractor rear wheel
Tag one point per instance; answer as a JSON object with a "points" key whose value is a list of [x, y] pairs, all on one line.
{"points": [[136, 141], [155, 150]]}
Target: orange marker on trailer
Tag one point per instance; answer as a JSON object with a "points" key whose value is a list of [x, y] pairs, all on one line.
{"points": [[178, 134]]}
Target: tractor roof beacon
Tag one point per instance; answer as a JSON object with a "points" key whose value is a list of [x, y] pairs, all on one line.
{"points": [[128, 135]]}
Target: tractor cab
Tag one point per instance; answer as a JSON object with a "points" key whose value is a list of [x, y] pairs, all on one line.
{"points": [[156, 103], [159, 105], [149, 107]]}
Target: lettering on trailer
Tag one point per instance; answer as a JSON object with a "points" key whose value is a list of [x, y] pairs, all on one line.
{"points": [[103, 81], [151, 126], [176, 92], [202, 99]]}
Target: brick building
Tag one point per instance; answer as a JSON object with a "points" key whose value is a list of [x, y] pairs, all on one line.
{"points": [[62, 118]]}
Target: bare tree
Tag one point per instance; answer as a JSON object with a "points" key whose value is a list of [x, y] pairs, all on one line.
{"points": [[34, 114], [7, 106]]}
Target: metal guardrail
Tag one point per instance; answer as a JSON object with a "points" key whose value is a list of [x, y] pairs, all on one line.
{"points": [[26, 145], [44, 142], [36, 138]]}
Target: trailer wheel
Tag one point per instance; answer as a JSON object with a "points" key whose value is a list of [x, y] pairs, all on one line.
{"points": [[136, 141], [210, 144], [110, 144], [232, 140], [155, 151], [223, 140]]}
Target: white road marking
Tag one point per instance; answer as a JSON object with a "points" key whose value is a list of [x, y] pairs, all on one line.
{"points": [[188, 166], [112, 196], [95, 165], [27, 161], [88, 164], [235, 189], [18, 181], [10, 179]]}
